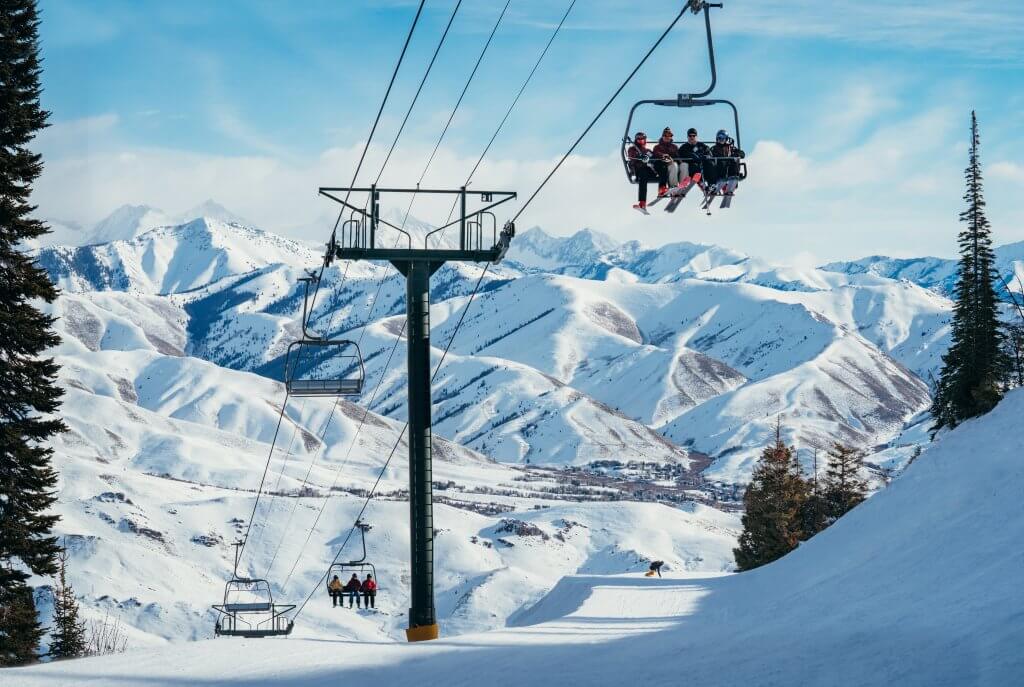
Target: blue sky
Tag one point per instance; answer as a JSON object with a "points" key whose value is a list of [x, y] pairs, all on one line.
{"points": [[854, 114]]}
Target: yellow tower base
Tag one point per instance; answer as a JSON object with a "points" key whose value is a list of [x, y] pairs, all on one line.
{"points": [[422, 633]]}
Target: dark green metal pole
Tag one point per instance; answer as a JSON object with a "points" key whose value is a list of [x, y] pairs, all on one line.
{"points": [[422, 616]]}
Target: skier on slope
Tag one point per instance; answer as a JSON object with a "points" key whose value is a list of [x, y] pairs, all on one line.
{"points": [[640, 162], [655, 567]]}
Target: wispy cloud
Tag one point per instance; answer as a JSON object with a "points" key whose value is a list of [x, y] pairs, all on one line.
{"points": [[978, 28], [1008, 171]]}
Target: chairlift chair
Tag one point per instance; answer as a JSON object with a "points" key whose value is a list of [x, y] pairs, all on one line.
{"points": [[688, 100], [248, 609], [315, 366], [324, 367], [359, 566]]}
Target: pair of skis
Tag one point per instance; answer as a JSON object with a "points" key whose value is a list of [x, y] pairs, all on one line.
{"points": [[676, 195], [725, 188]]}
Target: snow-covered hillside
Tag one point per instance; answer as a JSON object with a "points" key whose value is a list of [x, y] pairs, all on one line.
{"points": [[578, 348], [919, 585], [171, 259], [936, 274], [164, 454]]}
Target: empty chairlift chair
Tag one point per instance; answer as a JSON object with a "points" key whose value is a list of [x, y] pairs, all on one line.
{"points": [[315, 366], [324, 367], [249, 610]]}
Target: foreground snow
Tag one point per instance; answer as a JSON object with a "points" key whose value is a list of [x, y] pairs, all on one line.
{"points": [[918, 586]]}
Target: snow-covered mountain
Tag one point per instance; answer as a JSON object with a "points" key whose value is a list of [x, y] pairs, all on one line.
{"points": [[164, 454], [577, 349], [171, 259], [127, 222], [130, 221], [937, 274], [211, 209]]}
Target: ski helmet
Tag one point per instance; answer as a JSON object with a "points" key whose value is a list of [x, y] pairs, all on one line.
{"points": [[691, 131], [640, 135], [722, 136]]}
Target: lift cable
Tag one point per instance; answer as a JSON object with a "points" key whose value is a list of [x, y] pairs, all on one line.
{"points": [[689, 5], [465, 88], [373, 304], [476, 166], [259, 492], [512, 105], [657, 43], [284, 464], [366, 146], [391, 455], [383, 102], [362, 158], [390, 152], [415, 97]]}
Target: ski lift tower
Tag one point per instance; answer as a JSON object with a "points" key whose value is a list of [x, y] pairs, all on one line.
{"points": [[479, 241]]}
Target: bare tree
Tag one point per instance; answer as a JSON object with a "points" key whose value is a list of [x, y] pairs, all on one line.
{"points": [[106, 637]]}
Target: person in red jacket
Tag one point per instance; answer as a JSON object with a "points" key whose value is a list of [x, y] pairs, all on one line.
{"points": [[369, 592], [353, 587]]}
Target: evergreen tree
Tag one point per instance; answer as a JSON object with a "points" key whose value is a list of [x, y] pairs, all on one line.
{"points": [[20, 631], [973, 367], [774, 507], [68, 637], [814, 512], [28, 390], [844, 488]]}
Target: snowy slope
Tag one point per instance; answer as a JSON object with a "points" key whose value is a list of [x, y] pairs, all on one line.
{"points": [[578, 350], [937, 274], [917, 586], [171, 259], [213, 210], [127, 222], [151, 495]]}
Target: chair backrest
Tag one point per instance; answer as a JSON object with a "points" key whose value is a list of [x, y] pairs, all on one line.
{"points": [[254, 607], [324, 368]]}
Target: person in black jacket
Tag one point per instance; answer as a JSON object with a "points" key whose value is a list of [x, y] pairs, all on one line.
{"points": [[727, 163], [693, 153], [353, 587], [664, 159], [654, 568]]}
